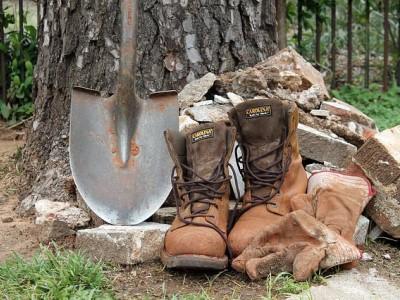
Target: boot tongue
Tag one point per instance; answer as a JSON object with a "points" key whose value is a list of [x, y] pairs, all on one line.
{"points": [[262, 126], [205, 148]]}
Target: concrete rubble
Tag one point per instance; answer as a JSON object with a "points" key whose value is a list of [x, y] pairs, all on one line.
{"points": [[47, 210], [379, 158], [124, 245]]}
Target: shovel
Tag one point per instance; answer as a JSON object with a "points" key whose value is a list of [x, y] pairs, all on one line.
{"points": [[118, 158]]}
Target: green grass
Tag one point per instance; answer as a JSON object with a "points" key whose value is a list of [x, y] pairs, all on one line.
{"points": [[53, 275], [384, 108]]}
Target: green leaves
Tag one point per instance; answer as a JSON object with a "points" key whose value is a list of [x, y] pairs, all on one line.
{"points": [[382, 107], [21, 55]]}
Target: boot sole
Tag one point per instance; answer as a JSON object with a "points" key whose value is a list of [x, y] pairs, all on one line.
{"points": [[191, 261]]}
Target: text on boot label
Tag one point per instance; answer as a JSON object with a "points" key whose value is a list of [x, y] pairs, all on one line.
{"points": [[202, 134], [260, 111]]}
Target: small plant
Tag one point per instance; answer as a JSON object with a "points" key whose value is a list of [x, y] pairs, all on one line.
{"points": [[383, 107], [53, 275], [21, 55]]}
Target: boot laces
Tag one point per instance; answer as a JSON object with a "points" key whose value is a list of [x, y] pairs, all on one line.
{"points": [[264, 177], [208, 189]]}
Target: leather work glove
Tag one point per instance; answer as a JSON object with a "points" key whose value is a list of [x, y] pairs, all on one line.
{"points": [[317, 234]]}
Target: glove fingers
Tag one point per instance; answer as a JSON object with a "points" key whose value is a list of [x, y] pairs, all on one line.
{"points": [[274, 263], [239, 263], [307, 262]]}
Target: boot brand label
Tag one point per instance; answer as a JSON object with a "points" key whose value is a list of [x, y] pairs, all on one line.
{"points": [[260, 111], [202, 134]]}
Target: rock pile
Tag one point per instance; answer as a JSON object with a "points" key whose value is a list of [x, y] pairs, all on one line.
{"points": [[331, 132]]}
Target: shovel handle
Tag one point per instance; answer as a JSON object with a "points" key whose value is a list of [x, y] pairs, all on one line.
{"points": [[128, 46]]}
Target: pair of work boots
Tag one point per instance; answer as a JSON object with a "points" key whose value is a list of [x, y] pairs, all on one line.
{"points": [[272, 171]]}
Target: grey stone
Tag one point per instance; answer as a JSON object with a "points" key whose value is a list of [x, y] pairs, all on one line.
{"points": [[375, 233], [221, 100], [123, 244], [235, 99], [186, 123], [165, 215], [361, 232], [321, 147], [352, 285], [204, 102], [209, 113], [195, 90], [54, 230], [27, 206], [320, 113], [311, 168], [62, 211]]}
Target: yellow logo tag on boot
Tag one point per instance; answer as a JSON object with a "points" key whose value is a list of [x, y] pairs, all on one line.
{"points": [[259, 111], [202, 134]]}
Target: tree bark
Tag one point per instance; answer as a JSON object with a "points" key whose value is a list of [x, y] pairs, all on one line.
{"points": [[281, 20], [3, 68], [333, 43], [367, 49], [349, 41], [179, 41], [299, 25], [386, 45]]}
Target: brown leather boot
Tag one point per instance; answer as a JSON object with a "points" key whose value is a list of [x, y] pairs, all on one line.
{"points": [[272, 165], [198, 235]]}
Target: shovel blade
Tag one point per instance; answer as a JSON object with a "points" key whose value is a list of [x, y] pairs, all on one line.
{"points": [[123, 194]]}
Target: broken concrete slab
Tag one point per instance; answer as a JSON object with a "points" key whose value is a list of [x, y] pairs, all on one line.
{"points": [[347, 112], [320, 113], [379, 158], [195, 90], [47, 210], [124, 245], [209, 113], [352, 284], [321, 147], [54, 230], [361, 232]]}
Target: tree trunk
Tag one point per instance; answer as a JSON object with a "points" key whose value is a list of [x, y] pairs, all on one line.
{"points": [[299, 25], [3, 68], [281, 20], [398, 45], [367, 50], [349, 41], [333, 44], [21, 34], [179, 41], [318, 33], [386, 45]]}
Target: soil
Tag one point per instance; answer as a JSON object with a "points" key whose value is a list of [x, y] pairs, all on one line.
{"points": [[16, 234], [147, 281]]}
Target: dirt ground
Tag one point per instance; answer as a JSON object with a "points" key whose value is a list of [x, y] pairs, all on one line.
{"points": [[149, 281]]}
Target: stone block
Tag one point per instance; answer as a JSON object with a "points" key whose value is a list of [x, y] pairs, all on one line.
{"points": [[379, 158], [321, 147], [195, 90], [124, 245], [361, 232]]}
